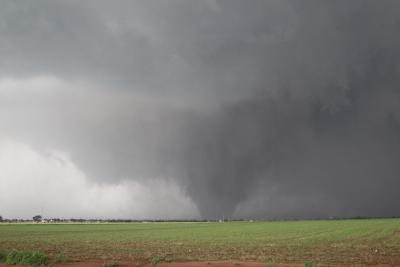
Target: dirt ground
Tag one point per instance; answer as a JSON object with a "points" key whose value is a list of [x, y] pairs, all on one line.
{"points": [[172, 264], [213, 264], [183, 264]]}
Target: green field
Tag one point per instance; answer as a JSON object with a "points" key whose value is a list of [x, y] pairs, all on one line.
{"points": [[369, 241]]}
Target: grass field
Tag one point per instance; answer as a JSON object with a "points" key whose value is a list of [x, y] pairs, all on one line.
{"points": [[325, 242]]}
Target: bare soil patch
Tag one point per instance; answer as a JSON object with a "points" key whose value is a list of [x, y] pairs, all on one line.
{"points": [[213, 264], [173, 264], [188, 264]]}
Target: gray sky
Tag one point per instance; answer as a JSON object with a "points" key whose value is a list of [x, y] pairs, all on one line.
{"points": [[199, 109]]}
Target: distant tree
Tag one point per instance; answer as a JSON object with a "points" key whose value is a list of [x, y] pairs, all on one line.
{"points": [[1, 218], [37, 218]]}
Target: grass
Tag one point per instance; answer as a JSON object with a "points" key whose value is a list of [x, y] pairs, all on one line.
{"points": [[60, 258], [31, 258], [26, 258], [3, 256], [320, 242], [155, 261]]}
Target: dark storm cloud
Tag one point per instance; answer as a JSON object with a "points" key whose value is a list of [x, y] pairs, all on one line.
{"points": [[261, 108]]}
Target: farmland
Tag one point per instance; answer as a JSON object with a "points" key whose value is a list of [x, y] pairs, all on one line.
{"points": [[326, 242]]}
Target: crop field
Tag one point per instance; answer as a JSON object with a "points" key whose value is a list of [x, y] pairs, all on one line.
{"points": [[330, 242]]}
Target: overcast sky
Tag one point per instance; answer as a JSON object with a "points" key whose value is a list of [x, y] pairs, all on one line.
{"points": [[199, 108]]}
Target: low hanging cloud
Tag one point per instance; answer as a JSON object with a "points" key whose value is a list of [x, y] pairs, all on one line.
{"points": [[51, 185], [261, 109]]}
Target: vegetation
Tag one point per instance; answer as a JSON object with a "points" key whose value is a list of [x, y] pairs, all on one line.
{"points": [[61, 258], [26, 258], [37, 218], [329, 242], [31, 258], [155, 261], [3, 256]]}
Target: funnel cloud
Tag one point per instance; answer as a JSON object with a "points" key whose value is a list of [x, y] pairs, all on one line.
{"points": [[214, 108]]}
